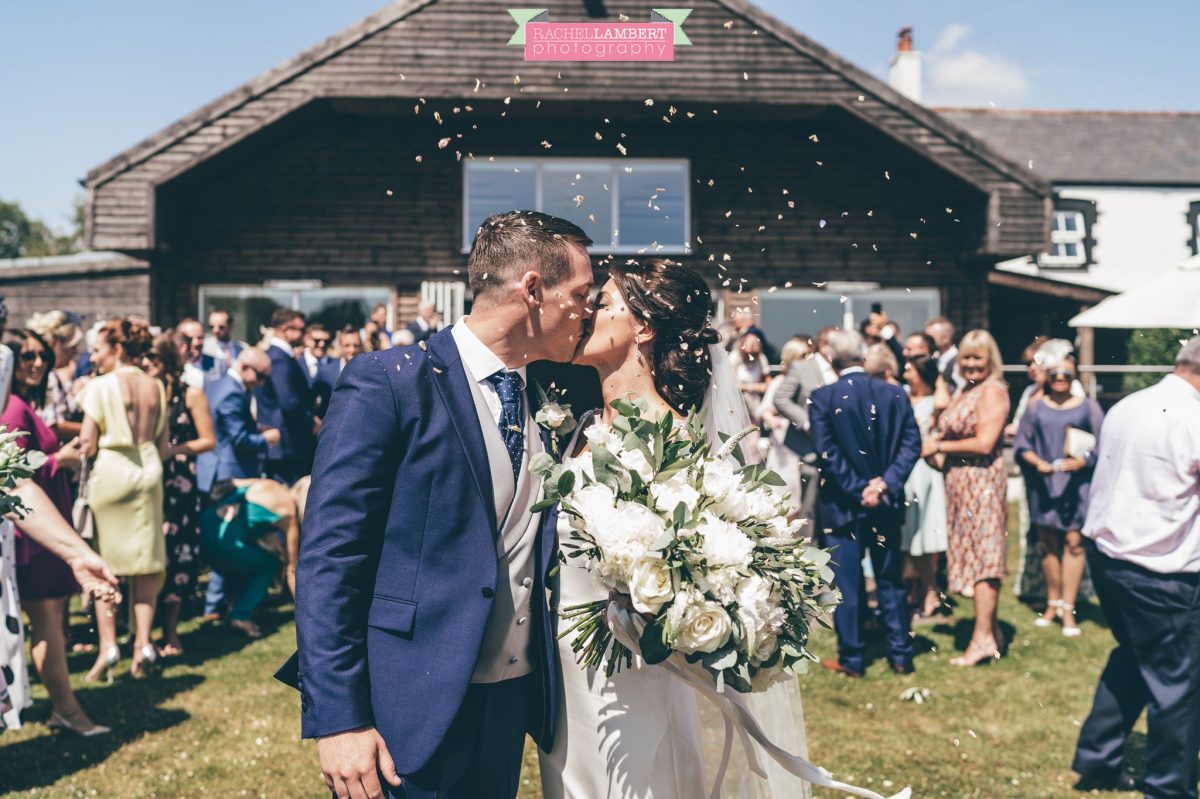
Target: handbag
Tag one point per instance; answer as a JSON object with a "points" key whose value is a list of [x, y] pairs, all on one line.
{"points": [[81, 512]]}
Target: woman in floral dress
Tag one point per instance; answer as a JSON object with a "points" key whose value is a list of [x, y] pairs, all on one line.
{"points": [[970, 442], [190, 433]]}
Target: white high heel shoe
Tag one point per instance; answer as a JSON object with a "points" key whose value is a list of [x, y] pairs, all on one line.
{"points": [[1042, 621], [57, 722], [1069, 632]]}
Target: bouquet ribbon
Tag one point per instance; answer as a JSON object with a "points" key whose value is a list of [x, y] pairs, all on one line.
{"points": [[627, 628]]}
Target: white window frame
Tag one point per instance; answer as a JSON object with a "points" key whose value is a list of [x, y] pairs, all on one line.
{"points": [[1078, 237], [617, 166]]}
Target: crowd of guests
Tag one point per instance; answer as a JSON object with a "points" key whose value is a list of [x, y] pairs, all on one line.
{"points": [[168, 453], [895, 451]]}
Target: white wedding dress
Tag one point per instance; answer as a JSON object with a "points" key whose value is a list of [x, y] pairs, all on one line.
{"points": [[644, 734]]}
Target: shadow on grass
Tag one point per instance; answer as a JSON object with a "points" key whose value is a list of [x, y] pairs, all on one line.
{"points": [[130, 707]]}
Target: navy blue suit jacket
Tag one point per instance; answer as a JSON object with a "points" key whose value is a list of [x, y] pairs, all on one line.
{"points": [[862, 428], [240, 447], [322, 385], [397, 569], [284, 403]]}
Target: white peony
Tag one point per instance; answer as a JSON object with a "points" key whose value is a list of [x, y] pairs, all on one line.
{"points": [[762, 504], [602, 435], [705, 627], [668, 494], [720, 478], [635, 461], [592, 502], [760, 615], [781, 528], [624, 534], [719, 583], [724, 544], [652, 584]]}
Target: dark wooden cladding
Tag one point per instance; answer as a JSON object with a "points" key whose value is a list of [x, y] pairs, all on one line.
{"points": [[441, 49], [311, 201], [93, 296]]}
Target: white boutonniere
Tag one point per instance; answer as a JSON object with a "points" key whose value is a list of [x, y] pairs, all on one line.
{"points": [[554, 416]]}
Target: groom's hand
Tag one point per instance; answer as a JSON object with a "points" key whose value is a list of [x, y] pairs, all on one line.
{"points": [[352, 761]]}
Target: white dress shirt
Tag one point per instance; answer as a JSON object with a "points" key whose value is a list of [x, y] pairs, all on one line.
{"points": [[482, 362], [828, 373], [276, 341], [311, 364], [1145, 496]]}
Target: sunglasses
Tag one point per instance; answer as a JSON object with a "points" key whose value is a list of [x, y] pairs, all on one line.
{"points": [[29, 356], [320, 342], [1062, 375]]}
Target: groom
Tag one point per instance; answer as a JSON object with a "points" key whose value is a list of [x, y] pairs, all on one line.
{"points": [[424, 635]]}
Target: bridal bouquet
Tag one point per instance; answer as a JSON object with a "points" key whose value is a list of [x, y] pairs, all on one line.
{"points": [[696, 541], [15, 464]]}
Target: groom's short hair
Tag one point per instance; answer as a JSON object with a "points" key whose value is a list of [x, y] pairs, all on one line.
{"points": [[509, 244]]}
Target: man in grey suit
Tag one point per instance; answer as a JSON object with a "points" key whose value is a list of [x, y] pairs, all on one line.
{"points": [[791, 401]]}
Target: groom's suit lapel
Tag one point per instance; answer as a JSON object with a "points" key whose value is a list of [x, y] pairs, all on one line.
{"points": [[535, 405], [452, 386]]}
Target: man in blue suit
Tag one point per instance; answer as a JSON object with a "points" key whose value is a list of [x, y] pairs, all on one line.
{"points": [[350, 345], [285, 402], [867, 440], [426, 644], [240, 448]]}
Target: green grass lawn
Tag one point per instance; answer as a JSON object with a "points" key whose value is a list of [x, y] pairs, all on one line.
{"points": [[216, 724]]}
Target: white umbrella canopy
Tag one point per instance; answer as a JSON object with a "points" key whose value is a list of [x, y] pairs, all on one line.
{"points": [[1172, 300]]}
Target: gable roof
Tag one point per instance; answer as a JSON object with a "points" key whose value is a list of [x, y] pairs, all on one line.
{"points": [[1139, 147], [400, 9]]}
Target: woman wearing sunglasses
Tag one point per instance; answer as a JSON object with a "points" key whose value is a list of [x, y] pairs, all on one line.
{"points": [[1056, 449]]}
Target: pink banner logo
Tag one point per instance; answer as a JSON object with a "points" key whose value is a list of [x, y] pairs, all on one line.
{"points": [[600, 41]]}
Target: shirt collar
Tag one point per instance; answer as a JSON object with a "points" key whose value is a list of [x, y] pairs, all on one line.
{"points": [[237, 377], [276, 341], [480, 361], [850, 370], [1178, 383]]}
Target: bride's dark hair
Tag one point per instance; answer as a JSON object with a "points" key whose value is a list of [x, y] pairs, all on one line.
{"points": [[677, 304]]}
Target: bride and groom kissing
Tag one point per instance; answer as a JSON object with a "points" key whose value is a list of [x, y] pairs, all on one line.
{"points": [[427, 587]]}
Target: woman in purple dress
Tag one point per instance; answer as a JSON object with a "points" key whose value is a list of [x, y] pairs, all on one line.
{"points": [[1052, 448], [44, 580]]}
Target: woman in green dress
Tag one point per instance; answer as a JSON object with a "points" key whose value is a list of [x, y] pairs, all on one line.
{"points": [[124, 427], [246, 533]]}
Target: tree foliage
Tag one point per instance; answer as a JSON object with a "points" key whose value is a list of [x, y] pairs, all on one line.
{"points": [[1151, 348], [22, 236]]}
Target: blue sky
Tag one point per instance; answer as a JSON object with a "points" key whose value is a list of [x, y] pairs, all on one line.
{"points": [[85, 79]]}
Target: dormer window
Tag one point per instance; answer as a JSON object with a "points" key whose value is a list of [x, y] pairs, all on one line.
{"points": [[1070, 234]]}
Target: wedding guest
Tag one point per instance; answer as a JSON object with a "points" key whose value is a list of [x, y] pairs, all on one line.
{"points": [[6, 356], [918, 344], [241, 447], [941, 330], [800, 380], [220, 344], [60, 411], [189, 433], [868, 442], [424, 325], [1057, 479], [45, 526], [284, 401], [316, 350], [742, 320], [240, 531], [968, 437], [45, 581], [879, 362], [125, 429], [349, 345], [375, 333], [198, 367], [782, 460], [923, 536], [1143, 526], [752, 372]]}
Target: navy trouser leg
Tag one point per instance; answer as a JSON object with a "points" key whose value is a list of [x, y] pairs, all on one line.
{"points": [[847, 578], [882, 540], [1156, 620]]}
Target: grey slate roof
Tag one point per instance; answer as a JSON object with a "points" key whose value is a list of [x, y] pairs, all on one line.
{"points": [[1151, 148]]}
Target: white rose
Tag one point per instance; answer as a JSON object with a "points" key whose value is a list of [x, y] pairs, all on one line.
{"points": [[723, 543], [760, 615], [592, 503], [652, 584], [635, 461], [705, 628], [601, 435], [667, 495], [554, 415], [735, 504]]}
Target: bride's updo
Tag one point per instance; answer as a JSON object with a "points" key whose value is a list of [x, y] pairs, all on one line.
{"points": [[676, 302]]}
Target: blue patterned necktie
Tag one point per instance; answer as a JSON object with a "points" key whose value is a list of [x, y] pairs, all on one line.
{"points": [[512, 418]]}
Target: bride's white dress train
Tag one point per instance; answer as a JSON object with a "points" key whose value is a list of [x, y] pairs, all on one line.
{"points": [[644, 734]]}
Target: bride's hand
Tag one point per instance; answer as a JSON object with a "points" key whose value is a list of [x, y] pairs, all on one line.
{"points": [[626, 603]]}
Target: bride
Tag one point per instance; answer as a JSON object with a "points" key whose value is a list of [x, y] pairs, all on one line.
{"points": [[639, 734]]}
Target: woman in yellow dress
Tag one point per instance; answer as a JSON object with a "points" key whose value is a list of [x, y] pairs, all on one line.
{"points": [[124, 426]]}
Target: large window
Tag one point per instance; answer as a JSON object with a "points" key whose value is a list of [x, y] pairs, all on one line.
{"points": [[1070, 233], [788, 312], [627, 205], [333, 307]]}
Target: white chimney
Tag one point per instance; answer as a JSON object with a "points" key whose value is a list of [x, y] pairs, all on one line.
{"points": [[905, 75]]}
